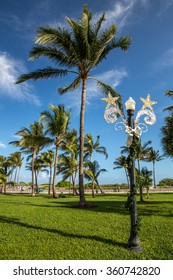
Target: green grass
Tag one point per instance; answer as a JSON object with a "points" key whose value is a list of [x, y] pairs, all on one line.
{"points": [[43, 228]]}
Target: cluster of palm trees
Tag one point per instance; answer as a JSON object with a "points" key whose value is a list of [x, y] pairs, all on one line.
{"points": [[10, 168], [53, 130], [142, 153]]}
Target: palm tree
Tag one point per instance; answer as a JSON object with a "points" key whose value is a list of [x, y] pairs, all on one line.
{"points": [[48, 160], [170, 94], [167, 136], [32, 140], [38, 167], [121, 162], [69, 159], [92, 172], [139, 154], [77, 50], [56, 124], [68, 167], [15, 160], [143, 178], [140, 150], [90, 147], [3, 173], [153, 156]]}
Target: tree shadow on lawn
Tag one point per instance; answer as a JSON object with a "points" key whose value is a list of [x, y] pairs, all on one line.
{"points": [[147, 208], [16, 221]]}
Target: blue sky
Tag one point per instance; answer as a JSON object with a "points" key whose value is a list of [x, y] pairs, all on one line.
{"points": [[147, 67]]}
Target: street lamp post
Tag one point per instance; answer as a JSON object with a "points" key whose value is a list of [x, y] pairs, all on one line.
{"points": [[134, 129], [133, 242]]}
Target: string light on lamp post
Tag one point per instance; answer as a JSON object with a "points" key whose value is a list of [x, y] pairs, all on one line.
{"points": [[133, 128]]}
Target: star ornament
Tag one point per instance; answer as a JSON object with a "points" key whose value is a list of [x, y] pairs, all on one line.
{"points": [[147, 102], [110, 100]]}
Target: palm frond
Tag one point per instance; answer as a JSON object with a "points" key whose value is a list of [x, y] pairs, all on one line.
{"points": [[105, 88], [123, 43], [169, 93], [99, 23], [40, 74], [58, 37], [71, 87], [53, 54]]}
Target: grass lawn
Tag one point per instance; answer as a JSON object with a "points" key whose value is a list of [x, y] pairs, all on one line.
{"points": [[43, 228]]}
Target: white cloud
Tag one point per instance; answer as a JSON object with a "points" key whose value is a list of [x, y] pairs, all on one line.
{"points": [[120, 13], [165, 60], [43, 175], [10, 69], [2, 145]]}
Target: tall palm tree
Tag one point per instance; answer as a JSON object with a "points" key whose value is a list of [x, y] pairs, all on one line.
{"points": [[48, 160], [56, 123], [32, 140], [90, 147], [92, 172], [153, 156], [121, 162], [77, 50]]}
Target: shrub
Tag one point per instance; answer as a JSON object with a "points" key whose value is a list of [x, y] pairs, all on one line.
{"points": [[166, 182], [64, 184]]}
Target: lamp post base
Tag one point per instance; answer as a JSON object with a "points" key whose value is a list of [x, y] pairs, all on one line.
{"points": [[134, 248], [134, 244]]}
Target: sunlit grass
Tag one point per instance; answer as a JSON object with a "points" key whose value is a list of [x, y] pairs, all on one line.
{"points": [[45, 228]]}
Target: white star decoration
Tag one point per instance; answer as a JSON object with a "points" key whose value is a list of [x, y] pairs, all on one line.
{"points": [[110, 100], [147, 102]]}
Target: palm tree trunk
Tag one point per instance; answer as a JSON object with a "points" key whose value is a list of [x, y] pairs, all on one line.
{"points": [[82, 201], [54, 173], [32, 187], [50, 180], [140, 188], [18, 176], [127, 177], [93, 194], [154, 175], [15, 177], [102, 192], [36, 181], [74, 183]]}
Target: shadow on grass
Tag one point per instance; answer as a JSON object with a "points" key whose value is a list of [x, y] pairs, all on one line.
{"points": [[108, 204], [15, 221]]}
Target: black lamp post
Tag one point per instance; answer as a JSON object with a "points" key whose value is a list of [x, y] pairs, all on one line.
{"points": [[133, 242], [134, 129]]}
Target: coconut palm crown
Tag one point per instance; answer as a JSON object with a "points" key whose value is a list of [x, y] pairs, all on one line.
{"points": [[77, 50]]}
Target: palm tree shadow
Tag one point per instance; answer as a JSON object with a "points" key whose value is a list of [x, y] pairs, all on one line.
{"points": [[16, 221]]}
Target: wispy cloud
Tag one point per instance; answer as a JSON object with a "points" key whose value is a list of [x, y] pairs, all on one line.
{"points": [[165, 6], [165, 60], [10, 69], [121, 12]]}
